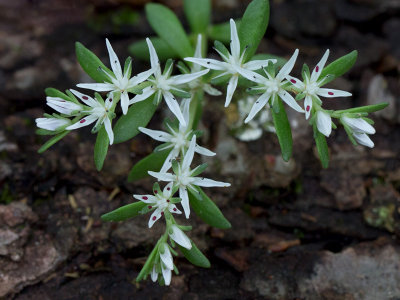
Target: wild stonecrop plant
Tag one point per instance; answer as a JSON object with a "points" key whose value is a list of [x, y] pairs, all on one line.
{"points": [[240, 69]]}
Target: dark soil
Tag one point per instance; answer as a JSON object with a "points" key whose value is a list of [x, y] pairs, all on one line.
{"points": [[298, 231]]}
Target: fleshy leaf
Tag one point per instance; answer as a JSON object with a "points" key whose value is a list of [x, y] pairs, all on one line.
{"points": [[198, 14], [206, 209], [138, 115], [52, 141], [367, 108], [52, 92], [91, 64], [152, 162], [101, 148], [124, 212], [322, 147], [283, 131], [195, 256], [167, 26], [253, 26], [340, 66]]}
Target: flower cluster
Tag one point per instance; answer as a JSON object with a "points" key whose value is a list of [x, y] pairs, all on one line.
{"points": [[267, 88]]}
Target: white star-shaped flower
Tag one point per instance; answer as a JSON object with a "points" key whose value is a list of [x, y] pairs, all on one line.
{"points": [[272, 87], [177, 139], [159, 202], [232, 64], [99, 112], [311, 87], [185, 178], [165, 85], [359, 129], [120, 82]]}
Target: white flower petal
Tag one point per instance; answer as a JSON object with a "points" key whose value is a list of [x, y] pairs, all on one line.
{"points": [[185, 106], [166, 258], [146, 93], [206, 182], [232, 84], [363, 139], [149, 199], [124, 102], [258, 64], [289, 100], [155, 216], [114, 61], [287, 68], [174, 107], [155, 64], [359, 125], [51, 123], [203, 151], [183, 194], [235, 43], [173, 209], [154, 274], [318, 68], [139, 78], [188, 158], [99, 87], [308, 105], [83, 122], [168, 161], [331, 93], [62, 106], [252, 76], [185, 78], [162, 176], [324, 123], [257, 106], [296, 82], [166, 274], [110, 133], [209, 63], [86, 99], [180, 237], [156, 134], [167, 192]]}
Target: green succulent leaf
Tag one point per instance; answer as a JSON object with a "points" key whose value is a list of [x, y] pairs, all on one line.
{"points": [[283, 130], [91, 64], [198, 14], [52, 92], [253, 26], [101, 148], [52, 141], [322, 147], [340, 66], [124, 212], [195, 256], [139, 115], [365, 109], [152, 162], [206, 209], [167, 26]]}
